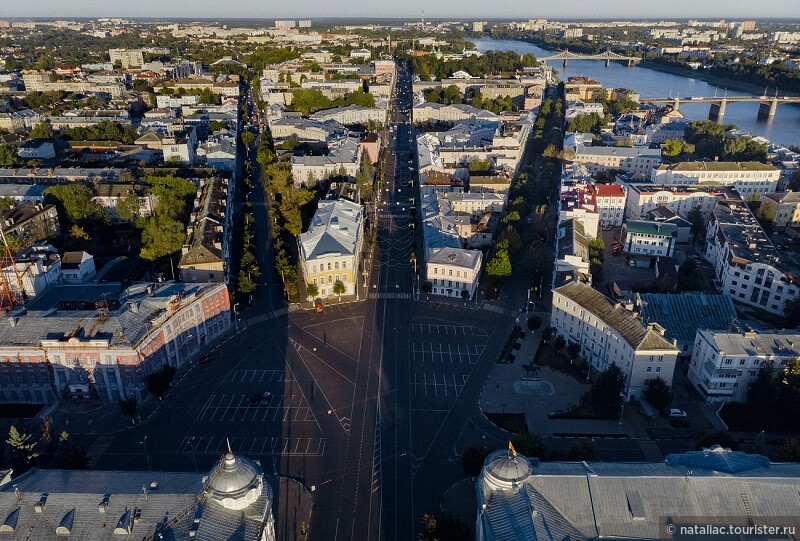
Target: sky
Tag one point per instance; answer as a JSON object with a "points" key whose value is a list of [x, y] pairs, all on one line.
{"points": [[450, 9]]}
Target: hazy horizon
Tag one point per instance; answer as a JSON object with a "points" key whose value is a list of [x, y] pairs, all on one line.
{"points": [[411, 9]]}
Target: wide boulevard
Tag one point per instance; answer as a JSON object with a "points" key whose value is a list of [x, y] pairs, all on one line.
{"points": [[372, 401]]}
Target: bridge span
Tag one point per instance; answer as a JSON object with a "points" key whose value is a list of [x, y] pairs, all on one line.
{"points": [[606, 56], [767, 109]]}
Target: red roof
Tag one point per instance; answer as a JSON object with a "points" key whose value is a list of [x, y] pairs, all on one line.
{"points": [[607, 190]]}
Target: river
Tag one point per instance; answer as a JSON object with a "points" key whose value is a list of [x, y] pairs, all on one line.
{"points": [[784, 128]]}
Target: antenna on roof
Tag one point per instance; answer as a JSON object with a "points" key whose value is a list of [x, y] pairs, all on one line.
{"points": [[229, 445]]}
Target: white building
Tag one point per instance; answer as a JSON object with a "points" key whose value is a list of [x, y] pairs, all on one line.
{"points": [[747, 265], [577, 108], [749, 178], [37, 149], [330, 251], [608, 201], [642, 198], [128, 58], [452, 271], [725, 364], [181, 146], [351, 114], [637, 161], [784, 207], [436, 112], [344, 156], [649, 238], [609, 333], [363, 54]]}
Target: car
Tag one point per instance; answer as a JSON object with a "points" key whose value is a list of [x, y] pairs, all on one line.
{"points": [[631, 263], [607, 228], [266, 398], [676, 413]]}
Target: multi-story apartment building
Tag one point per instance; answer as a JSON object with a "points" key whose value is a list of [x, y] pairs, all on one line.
{"points": [[749, 178], [40, 81], [642, 198], [436, 112], [608, 333], [725, 364], [747, 265], [649, 238], [109, 196], [344, 155], [636, 161], [608, 201], [127, 58], [99, 340], [452, 271], [351, 114], [784, 207], [28, 222], [330, 251], [181, 146]]}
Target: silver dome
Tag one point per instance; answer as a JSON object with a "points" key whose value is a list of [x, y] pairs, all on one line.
{"points": [[235, 482]]}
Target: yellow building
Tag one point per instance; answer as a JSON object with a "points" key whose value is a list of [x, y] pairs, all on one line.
{"points": [[331, 248]]}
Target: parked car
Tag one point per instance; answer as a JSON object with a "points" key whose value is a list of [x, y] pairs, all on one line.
{"points": [[631, 263], [266, 398], [675, 412], [607, 228]]}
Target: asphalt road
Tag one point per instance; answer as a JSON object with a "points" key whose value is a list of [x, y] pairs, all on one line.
{"points": [[370, 403]]}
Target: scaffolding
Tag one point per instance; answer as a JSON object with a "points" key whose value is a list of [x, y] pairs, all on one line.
{"points": [[10, 297]]}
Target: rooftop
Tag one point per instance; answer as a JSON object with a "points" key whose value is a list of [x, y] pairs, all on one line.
{"points": [[718, 166], [637, 334], [682, 315], [659, 229], [458, 257], [335, 229], [206, 232], [771, 344]]}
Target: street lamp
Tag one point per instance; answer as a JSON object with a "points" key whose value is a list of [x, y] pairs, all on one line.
{"points": [[192, 447], [146, 454], [235, 316], [622, 408]]}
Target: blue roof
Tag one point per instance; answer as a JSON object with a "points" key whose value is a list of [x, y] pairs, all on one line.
{"points": [[682, 315], [719, 459]]}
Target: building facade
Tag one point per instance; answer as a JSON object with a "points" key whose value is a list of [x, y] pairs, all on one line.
{"points": [[642, 198], [725, 364], [749, 178], [101, 341], [609, 333], [454, 271], [649, 238], [330, 251], [784, 208], [747, 265]]}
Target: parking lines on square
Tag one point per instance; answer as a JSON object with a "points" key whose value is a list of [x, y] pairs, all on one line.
{"points": [[437, 385], [253, 445], [437, 352], [256, 376], [447, 330], [233, 408]]}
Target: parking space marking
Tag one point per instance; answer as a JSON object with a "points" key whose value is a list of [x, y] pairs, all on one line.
{"points": [[231, 408], [438, 385], [265, 445], [433, 352], [260, 376], [460, 330]]}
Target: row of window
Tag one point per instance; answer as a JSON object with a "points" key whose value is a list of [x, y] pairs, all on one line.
{"points": [[322, 266], [330, 280]]}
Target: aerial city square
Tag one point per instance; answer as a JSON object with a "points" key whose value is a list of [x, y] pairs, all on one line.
{"points": [[277, 271]]}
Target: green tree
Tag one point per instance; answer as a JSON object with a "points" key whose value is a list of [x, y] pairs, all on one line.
{"points": [[472, 459], [672, 148], [6, 204], [339, 289], [128, 208], [559, 343], [312, 291], [160, 237], [478, 165], [510, 235], [69, 455], [573, 350], [247, 138], [658, 393], [42, 130], [534, 322], [158, 383], [529, 445], [789, 451], [794, 182], [8, 156], [245, 283], [607, 390], [23, 449], [582, 449], [698, 223], [499, 266], [129, 406], [76, 200], [443, 527]]}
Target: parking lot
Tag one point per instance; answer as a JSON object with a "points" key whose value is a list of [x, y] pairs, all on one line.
{"points": [[253, 445], [240, 408]]}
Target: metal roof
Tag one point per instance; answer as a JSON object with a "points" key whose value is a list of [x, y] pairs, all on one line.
{"points": [[684, 314]]}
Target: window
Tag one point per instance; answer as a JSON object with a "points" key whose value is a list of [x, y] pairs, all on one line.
{"points": [[649, 368], [344, 264], [451, 272], [329, 266], [336, 265], [658, 369]]}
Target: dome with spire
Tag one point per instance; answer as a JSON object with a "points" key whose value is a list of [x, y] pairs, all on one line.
{"points": [[235, 482], [503, 471]]}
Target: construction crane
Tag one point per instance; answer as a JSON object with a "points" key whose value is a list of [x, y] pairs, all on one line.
{"points": [[10, 298]]}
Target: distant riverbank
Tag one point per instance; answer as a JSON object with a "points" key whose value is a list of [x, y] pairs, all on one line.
{"points": [[704, 75]]}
